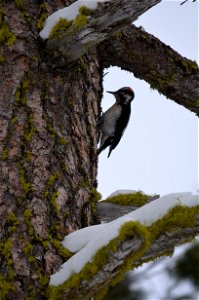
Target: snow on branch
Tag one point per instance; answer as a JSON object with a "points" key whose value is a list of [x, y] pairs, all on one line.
{"points": [[105, 251], [148, 58], [72, 31]]}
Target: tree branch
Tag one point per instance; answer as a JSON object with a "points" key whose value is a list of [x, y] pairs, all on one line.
{"points": [[145, 234], [167, 241], [130, 253], [148, 58], [108, 18], [107, 212]]}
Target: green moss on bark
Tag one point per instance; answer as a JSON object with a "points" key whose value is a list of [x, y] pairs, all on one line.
{"points": [[177, 217], [138, 199]]}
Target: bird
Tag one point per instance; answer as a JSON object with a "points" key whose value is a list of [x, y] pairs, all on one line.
{"points": [[115, 120]]}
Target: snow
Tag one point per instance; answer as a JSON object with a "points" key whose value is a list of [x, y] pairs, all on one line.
{"points": [[68, 13], [155, 210], [80, 238], [78, 260], [88, 240]]}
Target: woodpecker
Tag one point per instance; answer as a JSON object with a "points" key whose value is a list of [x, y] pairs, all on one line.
{"points": [[115, 120]]}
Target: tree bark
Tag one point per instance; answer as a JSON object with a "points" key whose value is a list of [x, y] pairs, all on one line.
{"points": [[148, 58], [48, 148], [48, 143], [108, 18]]}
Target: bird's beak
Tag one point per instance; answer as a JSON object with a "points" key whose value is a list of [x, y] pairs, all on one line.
{"points": [[111, 92]]}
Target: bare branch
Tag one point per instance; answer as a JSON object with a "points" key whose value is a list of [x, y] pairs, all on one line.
{"points": [[108, 18], [185, 2], [162, 67], [107, 212]]}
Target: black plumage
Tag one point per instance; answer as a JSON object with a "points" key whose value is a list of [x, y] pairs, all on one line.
{"points": [[115, 120]]}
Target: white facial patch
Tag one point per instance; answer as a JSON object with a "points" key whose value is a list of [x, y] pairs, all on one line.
{"points": [[127, 98]]}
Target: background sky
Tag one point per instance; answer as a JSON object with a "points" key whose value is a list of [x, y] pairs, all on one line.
{"points": [[159, 150]]}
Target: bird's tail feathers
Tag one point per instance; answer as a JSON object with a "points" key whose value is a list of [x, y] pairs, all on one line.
{"points": [[110, 150], [103, 146]]}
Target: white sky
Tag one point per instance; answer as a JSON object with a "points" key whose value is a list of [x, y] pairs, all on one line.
{"points": [[159, 150]]}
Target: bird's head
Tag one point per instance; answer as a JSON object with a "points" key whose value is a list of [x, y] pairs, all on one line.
{"points": [[124, 95]]}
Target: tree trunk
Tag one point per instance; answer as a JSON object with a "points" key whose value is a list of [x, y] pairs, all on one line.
{"points": [[48, 147], [48, 133]]}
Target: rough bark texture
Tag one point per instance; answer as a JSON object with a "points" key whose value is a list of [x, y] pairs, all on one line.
{"points": [[107, 19], [148, 58], [48, 142]]}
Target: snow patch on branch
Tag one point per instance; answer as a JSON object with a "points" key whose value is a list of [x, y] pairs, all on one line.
{"points": [[69, 13], [89, 240]]}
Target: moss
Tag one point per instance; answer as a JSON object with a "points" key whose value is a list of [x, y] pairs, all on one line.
{"points": [[50, 183], [62, 141], [23, 181], [161, 83], [64, 25], [17, 96], [6, 36], [43, 280], [25, 153], [61, 250], [20, 94], [80, 21], [51, 130], [45, 245], [4, 154], [28, 155], [84, 10], [7, 249], [53, 202], [117, 35], [6, 287], [95, 195], [12, 221], [138, 199], [29, 129], [84, 183], [14, 120], [177, 217], [27, 216], [189, 66], [35, 58], [127, 231], [2, 59], [59, 29], [20, 200], [27, 250], [20, 4], [42, 17]]}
